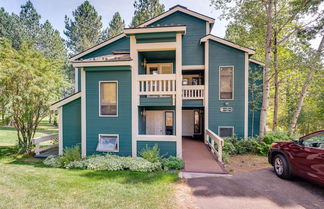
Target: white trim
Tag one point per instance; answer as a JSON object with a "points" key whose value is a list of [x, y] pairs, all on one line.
{"points": [[163, 46], [65, 101], [98, 64], [257, 62], [83, 114], [131, 31], [178, 115], [246, 95], [193, 67], [219, 127], [157, 138], [228, 43], [60, 124], [98, 46], [207, 28], [175, 9], [206, 75], [99, 135], [135, 96], [99, 95], [219, 82], [76, 79]]}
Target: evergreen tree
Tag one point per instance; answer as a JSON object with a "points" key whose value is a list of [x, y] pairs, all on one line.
{"points": [[84, 30], [30, 20], [145, 10], [116, 26]]}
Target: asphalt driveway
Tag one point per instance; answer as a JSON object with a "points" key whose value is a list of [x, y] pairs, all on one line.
{"points": [[260, 189]]}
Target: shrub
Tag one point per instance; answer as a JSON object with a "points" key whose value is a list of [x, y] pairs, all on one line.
{"points": [[152, 154], [172, 163], [278, 135], [70, 154], [140, 164], [53, 161]]}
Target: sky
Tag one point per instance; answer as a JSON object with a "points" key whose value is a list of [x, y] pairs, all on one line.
{"points": [[55, 10]]}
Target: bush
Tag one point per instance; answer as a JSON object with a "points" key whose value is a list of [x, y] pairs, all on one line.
{"points": [[278, 135], [152, 154], [70, 154], [53, 161], [172, 163]]}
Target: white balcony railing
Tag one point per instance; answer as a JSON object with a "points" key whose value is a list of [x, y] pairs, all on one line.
{"points": [[163, 84], [193, 92]]}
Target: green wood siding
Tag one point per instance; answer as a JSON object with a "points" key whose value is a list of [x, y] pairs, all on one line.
{"points": [[72, 123], [156, 37], [160, 101], [222, 55], [166, 148], [192, 50], [109, 125], [192, 103], [255, 97], [122, 44], [79, 79]]}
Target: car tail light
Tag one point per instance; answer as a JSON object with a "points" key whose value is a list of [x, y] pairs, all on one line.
{"points": [[273, 144]]}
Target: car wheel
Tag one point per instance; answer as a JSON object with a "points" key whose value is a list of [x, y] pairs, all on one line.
{"points": [[281, 167]]}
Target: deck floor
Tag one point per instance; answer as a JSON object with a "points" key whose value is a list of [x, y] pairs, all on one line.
{"points": [[198, 158]]}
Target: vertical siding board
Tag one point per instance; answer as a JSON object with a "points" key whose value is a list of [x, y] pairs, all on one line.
{"points": [[109, 125], [222, 55]]}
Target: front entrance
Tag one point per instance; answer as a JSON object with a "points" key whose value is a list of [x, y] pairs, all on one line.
{"points": [[155, 126], [192, 122]]}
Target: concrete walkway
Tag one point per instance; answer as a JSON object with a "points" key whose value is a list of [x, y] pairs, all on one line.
{"points": [[260, 189], [198, 158]]}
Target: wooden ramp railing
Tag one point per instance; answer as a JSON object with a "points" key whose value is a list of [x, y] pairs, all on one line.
{"points": [[210, 139], [38, 141]]}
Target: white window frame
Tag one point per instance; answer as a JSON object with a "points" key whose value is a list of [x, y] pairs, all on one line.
{"points": [[158, 66], [117, 139], [219, 127], [219, 84], [111, 116]]}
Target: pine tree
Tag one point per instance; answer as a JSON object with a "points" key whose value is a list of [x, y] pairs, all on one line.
{"points": [[116, 26], [145, 10], [84, 30], [30, 21]]}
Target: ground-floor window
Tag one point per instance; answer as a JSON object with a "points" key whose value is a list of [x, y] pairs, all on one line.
{"points": [[108, 143], [225, 131]]}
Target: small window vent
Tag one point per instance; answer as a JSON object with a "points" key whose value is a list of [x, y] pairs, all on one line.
{"points": [[226, 109]]}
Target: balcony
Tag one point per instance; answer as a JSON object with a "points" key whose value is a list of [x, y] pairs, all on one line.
{"points": [[193, 92]]}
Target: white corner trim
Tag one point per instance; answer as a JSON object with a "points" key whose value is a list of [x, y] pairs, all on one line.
{"points": [[206, 83], [246, 96], [176, 9], [178, 103], [207, 28], [131, 31], [193, 67], [83, 114], [99, 64], [97, 46], [65, 101], [228, 43], [163, 46], [60, 124], [76, 80], [257, 62]]}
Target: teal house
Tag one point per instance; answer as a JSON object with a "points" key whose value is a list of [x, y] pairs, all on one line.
{"points": [[163, 81]]}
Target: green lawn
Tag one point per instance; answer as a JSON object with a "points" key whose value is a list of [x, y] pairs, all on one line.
{"points": [[26, 183], [8, 135]]}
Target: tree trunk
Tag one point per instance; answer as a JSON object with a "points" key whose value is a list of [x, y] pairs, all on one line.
{"points": [[276, 84], [294, 119], [266, 72]]}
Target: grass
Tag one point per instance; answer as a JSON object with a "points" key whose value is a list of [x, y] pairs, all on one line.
{"points": [[25, 182], [8, 135]]}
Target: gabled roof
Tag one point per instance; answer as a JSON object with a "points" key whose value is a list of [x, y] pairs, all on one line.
{"points": [[66, 100], [257, 62], [180, 9], [226, 42]]}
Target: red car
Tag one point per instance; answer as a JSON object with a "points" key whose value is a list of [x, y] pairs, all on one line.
{"points": [[303, 157]]}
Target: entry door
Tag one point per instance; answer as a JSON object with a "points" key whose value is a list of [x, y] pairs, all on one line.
{"points": [[154, 123], [187, 122]]}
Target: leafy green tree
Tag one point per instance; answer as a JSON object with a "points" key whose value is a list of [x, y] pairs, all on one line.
{"points": [[84, 30], [31, 82], [116, 26], [145, 10]]}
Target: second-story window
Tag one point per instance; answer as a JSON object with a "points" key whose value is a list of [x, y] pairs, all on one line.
{"points": [[108, 98], [226, 83]]}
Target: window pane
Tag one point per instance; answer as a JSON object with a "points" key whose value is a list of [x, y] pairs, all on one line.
{"points": [[196, 122], [169, 123], [226, 83], [166, 69], [226, 132], [108, 98], [107, 144]]}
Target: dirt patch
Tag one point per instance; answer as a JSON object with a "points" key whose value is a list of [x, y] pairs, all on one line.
{"points": [[246, 163], [184, 197]]}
